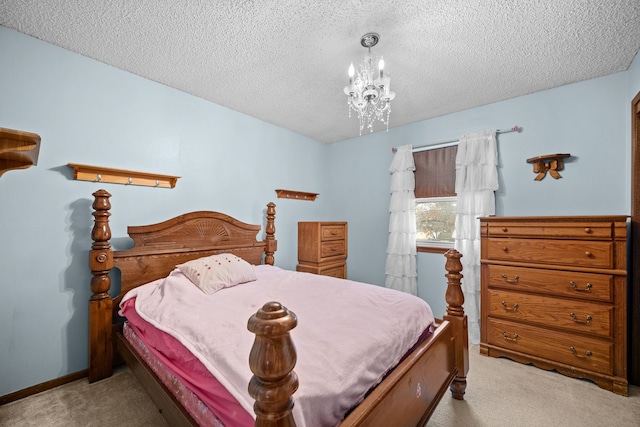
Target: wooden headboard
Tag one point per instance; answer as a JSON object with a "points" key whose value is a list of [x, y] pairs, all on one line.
{"points": [[157, 249]]}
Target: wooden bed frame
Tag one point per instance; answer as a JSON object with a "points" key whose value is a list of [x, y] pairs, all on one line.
{"points": [[406, 397]]}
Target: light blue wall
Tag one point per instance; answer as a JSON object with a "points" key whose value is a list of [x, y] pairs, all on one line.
{"points": [[90, 113], [590, 120], [634, 78]]}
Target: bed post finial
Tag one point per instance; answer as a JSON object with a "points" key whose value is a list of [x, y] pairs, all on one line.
{"points": [[272, 359], [272, 243], [100, 304], [455, 315]]}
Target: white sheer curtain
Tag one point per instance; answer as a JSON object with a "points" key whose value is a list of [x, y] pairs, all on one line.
{"points": [[476, 181], [400, 267]]}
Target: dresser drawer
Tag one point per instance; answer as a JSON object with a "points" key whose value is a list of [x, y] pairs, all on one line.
{"points": [[576, 351], [560, 252], [570, 315], [588, 286], [333, 249], [566, 230], [338, 270], [333, 231]]}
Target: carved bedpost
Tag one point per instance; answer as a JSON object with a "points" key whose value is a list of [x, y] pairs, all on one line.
{"points": [[100, 304], [455, 315], [272, 243], [272, 359]]}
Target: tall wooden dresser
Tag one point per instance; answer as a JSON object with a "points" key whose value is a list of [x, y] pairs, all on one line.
{"points": [[554, 293], [322, 248]]}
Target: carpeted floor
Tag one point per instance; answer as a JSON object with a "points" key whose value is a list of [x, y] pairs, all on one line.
{"points": [[117, 401], [500, 393], [503, 393]]}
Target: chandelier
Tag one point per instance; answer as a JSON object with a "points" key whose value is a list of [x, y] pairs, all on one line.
{"points": [[368, 93]]}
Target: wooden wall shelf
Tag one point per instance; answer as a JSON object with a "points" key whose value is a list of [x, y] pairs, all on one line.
{"points": [[121, 176], [299, 195], [18, 149], [551, 163]]}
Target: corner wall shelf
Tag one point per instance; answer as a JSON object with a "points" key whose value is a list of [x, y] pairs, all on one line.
{"points": [[300, 195], [121, 176], [18, 149]]}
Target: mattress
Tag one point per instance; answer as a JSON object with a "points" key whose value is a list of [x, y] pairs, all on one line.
{"points": [[197, 390], [335, 375]]}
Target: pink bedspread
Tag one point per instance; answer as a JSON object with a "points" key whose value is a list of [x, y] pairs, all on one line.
{"points": [[349, 334]]}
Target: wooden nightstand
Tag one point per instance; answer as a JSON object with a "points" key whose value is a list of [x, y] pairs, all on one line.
{"points": [[322, 248]]}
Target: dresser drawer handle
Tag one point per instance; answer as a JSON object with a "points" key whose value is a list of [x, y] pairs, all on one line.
{"points": [[515, 336], [505, 249], [587, 254], [587, 354], [505, 229], [514, 308], [511, 282], [587, 320], [334, 248], [588, 230], [334, 233], [587, 287]]}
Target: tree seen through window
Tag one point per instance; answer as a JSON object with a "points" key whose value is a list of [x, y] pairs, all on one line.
{"points": [[435, 219]]}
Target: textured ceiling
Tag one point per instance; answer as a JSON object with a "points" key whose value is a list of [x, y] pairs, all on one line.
{"points": [[285, 61]]}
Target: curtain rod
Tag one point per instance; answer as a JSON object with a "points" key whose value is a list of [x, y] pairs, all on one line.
{"points": [[450, 142]]}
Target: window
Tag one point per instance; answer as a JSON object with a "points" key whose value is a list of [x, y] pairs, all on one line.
{"points": [[435, 221], [435, 198]]}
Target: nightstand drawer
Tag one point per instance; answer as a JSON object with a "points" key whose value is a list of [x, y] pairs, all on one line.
{"points": [[576, 351], [333, 232], [339, 271], [587, 286], [570, 315], [560, 252], [333, 270], [333, 249]]}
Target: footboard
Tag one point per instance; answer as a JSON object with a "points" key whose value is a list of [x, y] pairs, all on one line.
{"points": [[412, 391]]}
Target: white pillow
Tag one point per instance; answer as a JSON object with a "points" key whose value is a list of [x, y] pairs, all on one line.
{"points": [[215, 272]]}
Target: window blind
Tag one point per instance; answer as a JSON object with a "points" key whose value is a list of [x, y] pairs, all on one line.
{"points": [[435, 172]]}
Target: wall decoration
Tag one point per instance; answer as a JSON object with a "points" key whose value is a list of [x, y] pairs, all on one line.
{"points": [[121, 176], [551, 163], [299, 195], [18, 149]]}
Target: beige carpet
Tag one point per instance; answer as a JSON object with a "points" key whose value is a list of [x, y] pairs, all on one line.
{"points": [[500, 393], [117, 401]]}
